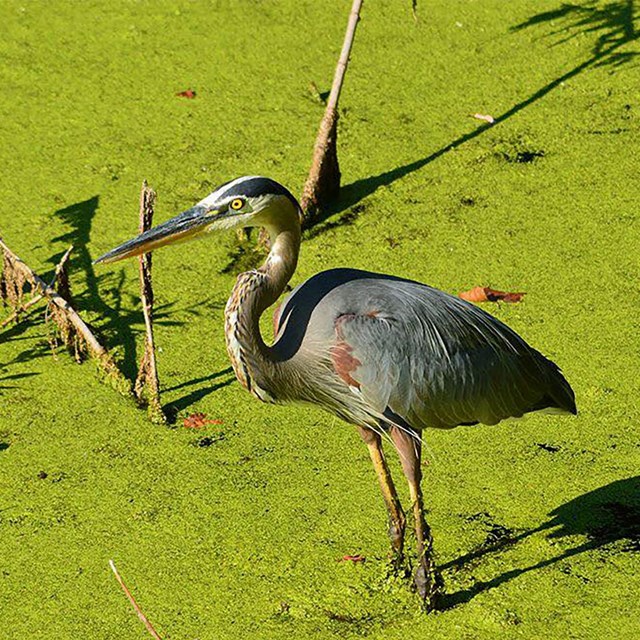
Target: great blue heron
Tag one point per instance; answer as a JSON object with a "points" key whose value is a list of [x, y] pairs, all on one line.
{"points": [[388, 355]]}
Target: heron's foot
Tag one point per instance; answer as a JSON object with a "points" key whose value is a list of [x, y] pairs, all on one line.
{"points": [[429, 584]]}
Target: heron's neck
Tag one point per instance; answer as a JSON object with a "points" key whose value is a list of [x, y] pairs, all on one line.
{"points": [[254, 292]]}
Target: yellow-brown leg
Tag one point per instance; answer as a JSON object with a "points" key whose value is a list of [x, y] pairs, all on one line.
{"points": [[427, 578], [396, 515]]}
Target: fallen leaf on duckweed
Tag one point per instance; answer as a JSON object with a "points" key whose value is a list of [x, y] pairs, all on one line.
{"points": [[356, 558], [189, 93], [198, 420], [485, 294]]}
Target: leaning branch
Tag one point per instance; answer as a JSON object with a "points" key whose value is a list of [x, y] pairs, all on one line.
{"points": [[95, 349], [323, 182]]}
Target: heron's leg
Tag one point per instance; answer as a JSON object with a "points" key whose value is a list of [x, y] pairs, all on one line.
{"points": [[427, 578], [396, 515]]}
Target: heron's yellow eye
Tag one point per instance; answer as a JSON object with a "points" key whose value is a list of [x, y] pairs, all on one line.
{"points": [[236, 204]]}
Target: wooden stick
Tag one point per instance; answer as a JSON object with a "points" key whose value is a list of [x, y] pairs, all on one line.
{"points": [[323, 182], [99, 353], [147, 386], [25, 307], [134, 604]]}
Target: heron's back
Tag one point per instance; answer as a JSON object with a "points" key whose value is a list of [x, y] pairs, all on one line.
{"points": [[411, 353]]}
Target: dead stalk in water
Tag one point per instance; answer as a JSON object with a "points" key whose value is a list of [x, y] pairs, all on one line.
{"points": [[323, 182], [147, 387]]}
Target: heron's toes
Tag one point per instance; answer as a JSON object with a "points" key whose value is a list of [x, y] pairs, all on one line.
{"points": [[429, 585]]}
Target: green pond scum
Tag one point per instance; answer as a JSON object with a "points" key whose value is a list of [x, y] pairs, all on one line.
{"points": [[237, 529]]}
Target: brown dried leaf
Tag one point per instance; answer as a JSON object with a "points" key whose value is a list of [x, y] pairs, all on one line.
{"points": [[198, 420], [485, 294], [355, 558]]}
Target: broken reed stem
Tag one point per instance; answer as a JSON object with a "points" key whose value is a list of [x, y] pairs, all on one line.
{"points": [[134, 604], [147, 386], [95, 349], [323, 182]]}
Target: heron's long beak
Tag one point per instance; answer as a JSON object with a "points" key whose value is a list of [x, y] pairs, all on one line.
{"points": [[187, 225]]}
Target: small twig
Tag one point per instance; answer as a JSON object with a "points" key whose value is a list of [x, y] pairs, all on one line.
{"points": [[23, 309], [134, 604], [99, 353], [147, 386]]}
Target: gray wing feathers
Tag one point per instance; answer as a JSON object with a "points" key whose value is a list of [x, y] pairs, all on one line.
{"points": [[438, 361]]}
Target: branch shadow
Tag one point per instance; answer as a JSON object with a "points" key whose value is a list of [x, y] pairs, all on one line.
{"points": [[173, 408], [36, 350], [606, 516], [103, 295], [614, 26]]}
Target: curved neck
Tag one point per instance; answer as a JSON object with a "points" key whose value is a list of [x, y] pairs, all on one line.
{"points": [[254, 292]]}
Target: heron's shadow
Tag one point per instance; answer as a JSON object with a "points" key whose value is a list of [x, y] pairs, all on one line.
{"points": [[608, 515]]}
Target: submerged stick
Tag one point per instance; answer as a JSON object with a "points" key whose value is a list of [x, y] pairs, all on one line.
{"points": [[323, 182], [134, 604], [95, 349], [147, 386]]}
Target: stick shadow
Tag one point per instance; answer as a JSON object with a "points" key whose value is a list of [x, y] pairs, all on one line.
{"points": [[173, 408], [614, 27], [103, 294]]}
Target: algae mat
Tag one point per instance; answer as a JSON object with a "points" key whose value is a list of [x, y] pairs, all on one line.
{"points": [[234, 531]]}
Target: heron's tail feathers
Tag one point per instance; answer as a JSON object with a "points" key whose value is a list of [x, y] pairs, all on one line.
{"points": [[560, 397]]}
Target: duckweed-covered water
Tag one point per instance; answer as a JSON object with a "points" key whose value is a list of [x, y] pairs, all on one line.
{"points": [[235, 530]]}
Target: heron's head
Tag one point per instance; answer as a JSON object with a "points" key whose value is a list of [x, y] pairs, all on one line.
{"points": [[250, 201]]}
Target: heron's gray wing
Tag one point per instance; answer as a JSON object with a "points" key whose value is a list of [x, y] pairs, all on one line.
{"points": [[422, 356]]}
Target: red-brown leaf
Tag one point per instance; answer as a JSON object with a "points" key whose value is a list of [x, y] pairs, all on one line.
{"points": [[485, 294], [356, 558], [189, 93], [198, 420]]}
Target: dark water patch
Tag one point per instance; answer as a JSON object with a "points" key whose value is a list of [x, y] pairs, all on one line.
{"points": [[517, 150], [551, 448], [498, 537], [207, 441]]}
